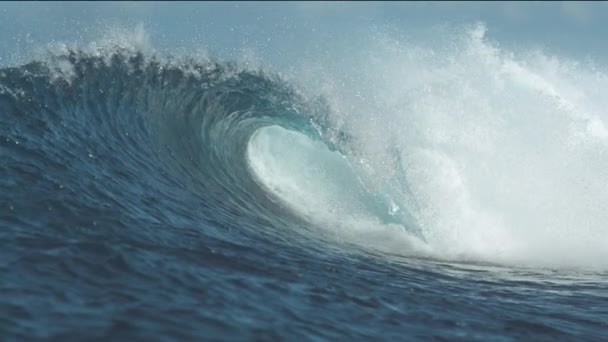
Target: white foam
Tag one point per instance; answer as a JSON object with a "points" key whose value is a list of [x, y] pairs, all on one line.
{"points": [[504, 153], [320, 186]]}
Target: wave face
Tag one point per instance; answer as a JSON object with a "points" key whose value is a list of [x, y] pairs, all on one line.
{"points": [[136, 185], [131, 124]]}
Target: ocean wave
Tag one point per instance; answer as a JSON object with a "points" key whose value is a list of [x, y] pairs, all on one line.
{"points": [[249, 150]]}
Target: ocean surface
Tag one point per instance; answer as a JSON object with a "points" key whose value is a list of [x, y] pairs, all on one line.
{"points": [[444, 190]]}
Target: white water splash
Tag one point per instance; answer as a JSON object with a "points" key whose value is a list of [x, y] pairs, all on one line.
{"points": [[502, 154]]}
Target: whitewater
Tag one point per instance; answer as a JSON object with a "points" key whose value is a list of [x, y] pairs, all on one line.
{"points": [[447, 188]]}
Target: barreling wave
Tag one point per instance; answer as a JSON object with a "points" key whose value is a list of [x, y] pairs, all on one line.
{"points": [[407, 162], [124, 127]]}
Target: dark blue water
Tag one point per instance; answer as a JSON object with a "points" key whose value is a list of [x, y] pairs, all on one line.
{"points": [[128, 212]]}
